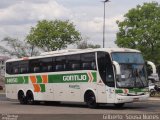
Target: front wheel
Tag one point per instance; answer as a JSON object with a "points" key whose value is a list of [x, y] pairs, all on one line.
{"points": [[90, 100], [119, 105]]}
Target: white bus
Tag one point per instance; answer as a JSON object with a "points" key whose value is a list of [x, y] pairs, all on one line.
{"points": [[94, 76]]}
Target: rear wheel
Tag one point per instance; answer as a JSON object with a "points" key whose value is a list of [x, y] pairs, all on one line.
{"points": [[90, 100], [119, 105], [21, 97], [30, 98]]}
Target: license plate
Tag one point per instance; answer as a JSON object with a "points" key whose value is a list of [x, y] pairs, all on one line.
{"points": [[135, 99]]}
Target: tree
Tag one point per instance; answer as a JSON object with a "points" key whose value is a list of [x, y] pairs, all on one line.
{"points": [[84, 45], [141, 30], [53, 35], [17, 48]]}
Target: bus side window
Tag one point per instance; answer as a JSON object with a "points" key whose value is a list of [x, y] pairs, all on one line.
{"points": [[46, 64], [34, 66], [9, 68], [60, 67], [49, 68], [86, 66], [14, 68], [75, 66], [36, 69], [16, 71], [60, 63], [24, 67], [93, 65], [73, 62], [88, 61]]}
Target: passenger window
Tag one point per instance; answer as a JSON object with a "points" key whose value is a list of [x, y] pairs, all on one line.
{"points": [[88, 61], [46, 64], [15, 68], [60, 63], [86, 66], [34, 66], [23, 65], [75, 66], [73, 62]]}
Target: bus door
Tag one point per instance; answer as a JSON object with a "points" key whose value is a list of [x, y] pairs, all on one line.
{"points": [[106, 73]]}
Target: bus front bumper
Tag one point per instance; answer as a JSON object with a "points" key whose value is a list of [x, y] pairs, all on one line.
{"points": [[128, 99]]}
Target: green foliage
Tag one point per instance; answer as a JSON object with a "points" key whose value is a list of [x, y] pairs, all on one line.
{"points": [[53, 35], [84, 45], [141, 30], [17, 48]]}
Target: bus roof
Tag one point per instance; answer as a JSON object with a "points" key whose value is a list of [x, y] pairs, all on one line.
{"points": [[74, 51]]}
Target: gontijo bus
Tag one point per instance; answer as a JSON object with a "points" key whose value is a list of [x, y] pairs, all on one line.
{"points": [[113, 75]]}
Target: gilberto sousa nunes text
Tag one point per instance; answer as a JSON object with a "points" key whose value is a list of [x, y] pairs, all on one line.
{"points": [[131, 116]]}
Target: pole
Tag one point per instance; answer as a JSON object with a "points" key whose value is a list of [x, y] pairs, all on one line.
{"points": [[104, 25], [104, 17]]}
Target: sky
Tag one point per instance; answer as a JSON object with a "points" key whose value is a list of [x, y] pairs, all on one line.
{"points": [[18, 16]]}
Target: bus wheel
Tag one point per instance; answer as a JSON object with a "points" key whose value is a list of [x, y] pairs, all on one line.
{"points": [[90, 99], [30, 98], [119, 105], [21, 97]]}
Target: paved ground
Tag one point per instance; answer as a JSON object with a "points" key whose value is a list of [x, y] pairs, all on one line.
{"points": [[13, 107]]}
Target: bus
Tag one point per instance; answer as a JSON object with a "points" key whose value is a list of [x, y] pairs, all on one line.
{"points": [[94, 76]]}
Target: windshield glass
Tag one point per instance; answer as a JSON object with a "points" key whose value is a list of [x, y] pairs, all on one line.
{"points": [[133, 72]]}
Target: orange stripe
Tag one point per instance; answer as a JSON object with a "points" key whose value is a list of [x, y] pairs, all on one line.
{"points": [[33, 79], [37, 88], [45, 78], [89, 77]]}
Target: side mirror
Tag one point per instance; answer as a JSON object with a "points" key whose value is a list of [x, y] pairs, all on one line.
{"points": [[154, 74], [117, 66]]}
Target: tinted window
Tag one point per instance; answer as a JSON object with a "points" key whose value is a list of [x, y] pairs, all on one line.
{"points": [[105, 68], [23, 67], [60, 63], [73, 62], [88, 61], [8, 68], [46, 65], [34, 66]]}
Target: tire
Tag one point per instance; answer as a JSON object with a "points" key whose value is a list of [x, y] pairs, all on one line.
{"points": [[90, 100], [119, 105], [30, 98], [152, 93], [22, 98]]}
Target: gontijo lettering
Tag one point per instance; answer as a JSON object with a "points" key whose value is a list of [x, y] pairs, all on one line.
{"points": [[74, 78]]}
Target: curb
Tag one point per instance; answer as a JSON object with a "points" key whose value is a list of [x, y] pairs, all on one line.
{"points": [[154, 98]]}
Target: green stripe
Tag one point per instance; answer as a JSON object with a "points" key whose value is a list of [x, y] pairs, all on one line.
{"points": [[57, 78], [39, 79], [17, 80], [134, 90], [42, 87], [119, 91], [69, 78], [26, 78]]}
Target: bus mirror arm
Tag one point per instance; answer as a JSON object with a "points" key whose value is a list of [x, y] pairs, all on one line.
{"points": [[117, 66], [154, 75]]}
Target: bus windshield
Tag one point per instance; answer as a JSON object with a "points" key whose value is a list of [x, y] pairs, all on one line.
{"points": [[133, 71]]}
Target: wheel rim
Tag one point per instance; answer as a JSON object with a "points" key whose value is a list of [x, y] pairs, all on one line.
{"points": [[90, 99], [22, 98], [30, 98]]}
